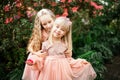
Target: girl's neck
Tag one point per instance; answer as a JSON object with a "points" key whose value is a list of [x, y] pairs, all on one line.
{"points": [[45, 35], [56, 40], [46, 31]]}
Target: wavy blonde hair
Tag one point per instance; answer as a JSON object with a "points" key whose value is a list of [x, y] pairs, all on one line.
{"points": [[35, 41], [66, 24]]}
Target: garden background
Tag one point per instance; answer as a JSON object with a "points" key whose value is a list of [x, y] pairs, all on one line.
{"points": [[96, 32]]}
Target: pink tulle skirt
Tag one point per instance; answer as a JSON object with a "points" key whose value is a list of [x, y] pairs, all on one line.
{"points": [[60, 68]]}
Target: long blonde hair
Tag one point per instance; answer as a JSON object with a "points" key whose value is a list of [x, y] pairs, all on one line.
{"points": [[67, 26], [35, 40]]}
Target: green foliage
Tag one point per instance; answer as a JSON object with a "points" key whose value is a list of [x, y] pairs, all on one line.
{"points": [[96, 60], [13, 44], [98, 41], [16, 74]]}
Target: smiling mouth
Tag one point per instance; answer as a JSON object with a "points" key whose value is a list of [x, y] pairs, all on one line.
{"points": [[57, 33]]}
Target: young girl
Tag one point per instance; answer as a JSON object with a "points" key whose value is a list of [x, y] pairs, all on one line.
{"points": [[59, 65], [42, 26]]}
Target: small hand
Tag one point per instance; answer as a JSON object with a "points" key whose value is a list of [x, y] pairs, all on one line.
{"points": [[68, 53], [41, 53]]}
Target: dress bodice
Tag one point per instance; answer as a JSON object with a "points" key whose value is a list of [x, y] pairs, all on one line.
{"points": [[54, 49]]}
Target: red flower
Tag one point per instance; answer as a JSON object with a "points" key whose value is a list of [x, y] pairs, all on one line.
{"points": [[18, 4], [65, 13], [8, 20], [62, 1], [98, 7], [7, 8], [74, 9], [93, 3], [29, 60], [69, 1]]}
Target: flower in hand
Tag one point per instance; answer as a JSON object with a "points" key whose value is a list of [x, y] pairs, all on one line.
{"points": [[29, 62]]}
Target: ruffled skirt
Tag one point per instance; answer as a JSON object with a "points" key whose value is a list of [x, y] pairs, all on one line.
{"points": [[60, 68]]}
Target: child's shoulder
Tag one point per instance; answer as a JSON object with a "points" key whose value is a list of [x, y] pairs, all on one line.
{"points": [[45, 42]]}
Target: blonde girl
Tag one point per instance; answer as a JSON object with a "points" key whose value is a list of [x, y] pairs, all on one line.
{"points": [[42, 26], [58, 65]]}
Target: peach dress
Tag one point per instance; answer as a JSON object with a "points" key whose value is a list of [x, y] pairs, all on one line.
{"points": [[32, 72], [57, 67]]}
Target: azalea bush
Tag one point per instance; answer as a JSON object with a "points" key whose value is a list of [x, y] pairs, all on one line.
{"points": [[95, 31]]}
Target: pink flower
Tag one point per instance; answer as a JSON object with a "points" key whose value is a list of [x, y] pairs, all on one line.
{"points": [[69, 1], [65, 13], [18, 15], [30, 12], [8, 20], [93, 3], [62, 1], [74, 9], [18, 4], [7, 8], [98, 7]]}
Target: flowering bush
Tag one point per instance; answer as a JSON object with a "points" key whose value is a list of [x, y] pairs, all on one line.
{"points": [[18, 8]]}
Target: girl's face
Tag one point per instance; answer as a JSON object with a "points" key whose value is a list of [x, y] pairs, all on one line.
{"points": [[58, 31], [47, 22]]}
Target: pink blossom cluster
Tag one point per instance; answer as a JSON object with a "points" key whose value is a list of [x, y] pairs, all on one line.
{"points": [[97, 7], [8, 20], [31, 12]]}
